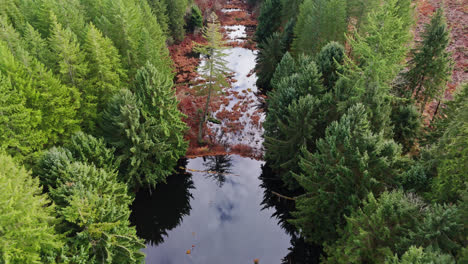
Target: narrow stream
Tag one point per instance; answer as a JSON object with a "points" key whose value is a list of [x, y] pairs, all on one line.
{"points": [[221, 209]]}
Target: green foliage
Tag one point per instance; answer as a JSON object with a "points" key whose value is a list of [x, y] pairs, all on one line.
{"points": [[418, 255], [105, 69], [195, 19], [27, 220], [214, 70], [269, 55], [70, 65], [379, 52], [329, 60], [145, 128], [176, 10], [453, 150], [159, 9], [430, 66], [288, 34], [388, 226], [290, 9], [350, 162], [407, 123], [381, 228], [44, 95], [319, 22], [94, 209], [19, 133], [269, 20]]}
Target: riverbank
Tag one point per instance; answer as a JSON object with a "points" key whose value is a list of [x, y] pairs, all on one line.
{"points": [[239, 127]]}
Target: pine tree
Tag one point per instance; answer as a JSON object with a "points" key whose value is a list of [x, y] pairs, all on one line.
{"points": [[270, 54], [106, 75], [176, 10], [159, 9], [430, 66], [36, 45], [319, 22], [27, 221], [269, 20], [350, 162], [214, 70]]}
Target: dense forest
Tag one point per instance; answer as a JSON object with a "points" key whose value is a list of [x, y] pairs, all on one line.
{"points": [[356, 124], [381, 177]]}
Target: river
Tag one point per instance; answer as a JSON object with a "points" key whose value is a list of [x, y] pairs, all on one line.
{"points": [[221, 209]]}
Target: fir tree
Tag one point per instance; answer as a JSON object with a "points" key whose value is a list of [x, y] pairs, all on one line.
{"points": [[329, 60], [269, 55], [214, 69], [269, 19], [430, 66], [176, 10], [319, 22], [418, 255], [19, 126], [105, 69], [27, 217], [195, 19], [350, 162]]}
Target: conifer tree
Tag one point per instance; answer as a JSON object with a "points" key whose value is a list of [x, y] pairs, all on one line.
{"points": [[452, 152], [176, 10], [146, 129], [329, 60], [27, 217], [319, 22], [350, 162], [379, 51], [195, 19], [159, 9], [288, 34], [269, 55], [36, 45], [269, 19], [56, 103], [106, 75], [419, 255], [214, 69], [19, 132], [430, 66]]}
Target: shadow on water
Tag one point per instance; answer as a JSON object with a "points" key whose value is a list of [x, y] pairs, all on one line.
{"points": [[155, 212], [300, 252], [224, 211]]}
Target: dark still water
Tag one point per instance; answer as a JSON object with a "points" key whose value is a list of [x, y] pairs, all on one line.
{"points": [[221, 209]]}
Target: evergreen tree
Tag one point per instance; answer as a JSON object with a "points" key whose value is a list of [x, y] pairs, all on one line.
{"points": [[418, 255], [452, 152], [176, 10], [329, 60], [195, 19], [378, 54], [94, 208], [270, 54], [105, 69], [19, 132], [288, 34], [430, 66], [214, 70], [27, 217], [290, 9], [319, 22], [159, 9], [71, 65], [389, 225], [269, 19], [56, 103], [36, 45], [350, 162], [407, 123]]}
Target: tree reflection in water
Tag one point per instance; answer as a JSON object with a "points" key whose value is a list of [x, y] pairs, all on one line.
{"points": [[300, 252], [217, 168], [155, 212]]}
